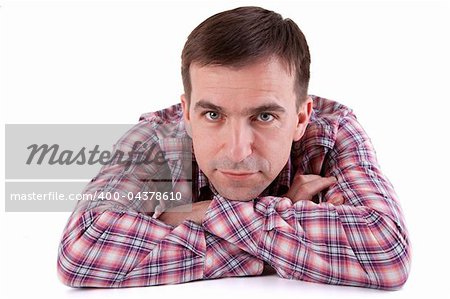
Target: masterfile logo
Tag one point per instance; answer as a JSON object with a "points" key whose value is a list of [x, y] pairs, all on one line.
{"points": [[48, 166], [140, 153]]}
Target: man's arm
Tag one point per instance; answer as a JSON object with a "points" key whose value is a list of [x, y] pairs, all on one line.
{"points": [[116, 243], [360, 243]]}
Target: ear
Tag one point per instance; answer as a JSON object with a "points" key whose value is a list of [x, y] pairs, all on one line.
{"points": [[303, 116], [186, 116]]}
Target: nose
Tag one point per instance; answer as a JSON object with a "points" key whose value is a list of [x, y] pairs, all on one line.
{"points": [[239, 140]]}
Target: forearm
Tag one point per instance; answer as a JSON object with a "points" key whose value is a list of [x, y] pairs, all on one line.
{"points": [[113, 247], [322, 243]]}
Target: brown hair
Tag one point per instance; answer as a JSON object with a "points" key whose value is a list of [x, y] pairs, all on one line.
{"points": [[244, 35]]}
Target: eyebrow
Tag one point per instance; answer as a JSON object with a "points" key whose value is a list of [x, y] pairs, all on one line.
{"points": [[268, 107]]}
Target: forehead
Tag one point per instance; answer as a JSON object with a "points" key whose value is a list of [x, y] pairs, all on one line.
{"points": [[266, 80]]}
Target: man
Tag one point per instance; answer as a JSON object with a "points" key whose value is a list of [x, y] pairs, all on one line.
{"points": [[281, 180]]}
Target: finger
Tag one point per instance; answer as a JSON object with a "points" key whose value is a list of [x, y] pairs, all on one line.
{"points": [[336, 200], [305, 178], [312, 188]]}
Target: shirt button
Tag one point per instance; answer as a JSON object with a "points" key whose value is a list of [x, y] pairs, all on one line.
{"points": [[256, 267], [209, 261]]}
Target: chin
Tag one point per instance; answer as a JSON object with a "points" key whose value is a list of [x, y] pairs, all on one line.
{"points": [[238, 195]]}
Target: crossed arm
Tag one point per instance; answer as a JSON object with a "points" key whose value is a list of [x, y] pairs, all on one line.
{"points": [[362, 242]]}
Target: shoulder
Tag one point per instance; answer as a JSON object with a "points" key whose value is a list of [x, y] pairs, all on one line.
{"points": [[328, 112], [326, 119], [156, 127], [172, 114]]}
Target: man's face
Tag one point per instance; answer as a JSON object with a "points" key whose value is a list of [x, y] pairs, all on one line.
{"points": [[242, 122]]}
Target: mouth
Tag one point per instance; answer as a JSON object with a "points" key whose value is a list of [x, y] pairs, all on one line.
{"points": [[237, 175]]}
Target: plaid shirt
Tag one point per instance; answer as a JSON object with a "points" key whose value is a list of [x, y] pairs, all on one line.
{"points": [[363, 242]]}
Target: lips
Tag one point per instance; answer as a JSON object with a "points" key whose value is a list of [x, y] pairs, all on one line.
{"points": [[235, 175]]}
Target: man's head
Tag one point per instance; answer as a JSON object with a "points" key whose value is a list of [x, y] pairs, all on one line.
{"points": [[245, 74]]}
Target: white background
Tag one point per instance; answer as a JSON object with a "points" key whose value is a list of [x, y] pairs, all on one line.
{"points": [[109, 62]]}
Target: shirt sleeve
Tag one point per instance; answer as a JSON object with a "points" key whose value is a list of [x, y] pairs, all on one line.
{"points": [[363, 242], [112, 241]]}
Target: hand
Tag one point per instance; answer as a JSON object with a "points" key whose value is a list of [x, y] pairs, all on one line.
{"points": [[306, 186], [176, 215]]}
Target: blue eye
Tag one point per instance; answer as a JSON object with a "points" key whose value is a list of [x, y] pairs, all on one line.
{"points": [[265, 117], [212, 115]]}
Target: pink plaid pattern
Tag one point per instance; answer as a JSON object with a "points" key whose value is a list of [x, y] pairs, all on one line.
{"points": [[363, 242]]}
